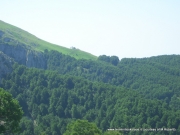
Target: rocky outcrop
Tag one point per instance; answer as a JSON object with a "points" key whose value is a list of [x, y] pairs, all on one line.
{"points": [[24, 55], [1, 33], [35, 59], [5, 65]]}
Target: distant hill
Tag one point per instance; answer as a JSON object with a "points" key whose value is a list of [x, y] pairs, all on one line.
{"points": [[14, 35]]}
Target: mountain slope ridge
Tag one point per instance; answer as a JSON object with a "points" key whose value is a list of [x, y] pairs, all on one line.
{"points": [[13, 35]]}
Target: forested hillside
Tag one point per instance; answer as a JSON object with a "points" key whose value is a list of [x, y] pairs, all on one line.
{"points": [[56, 86], [50, 100], [155, 77]]}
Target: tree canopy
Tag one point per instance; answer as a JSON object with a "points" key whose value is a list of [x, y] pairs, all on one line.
{"points": [[135, 93], [10, 113], [82, 127]]}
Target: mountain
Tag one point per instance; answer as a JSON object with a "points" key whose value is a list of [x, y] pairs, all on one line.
{"points": [[14, 36], [55, 88]]}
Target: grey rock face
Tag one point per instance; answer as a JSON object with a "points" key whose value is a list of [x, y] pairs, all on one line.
{"points": [[1, 33], [22, 55], [35, 59], [5, 64], [6, 39]]}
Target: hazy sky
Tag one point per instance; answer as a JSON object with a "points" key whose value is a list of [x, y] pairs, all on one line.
{"points": [[125, 28]]}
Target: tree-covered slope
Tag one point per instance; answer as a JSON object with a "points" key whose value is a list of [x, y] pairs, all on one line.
{"points": [[67, 85], [153, 77], [51, 100], [12, 35]]}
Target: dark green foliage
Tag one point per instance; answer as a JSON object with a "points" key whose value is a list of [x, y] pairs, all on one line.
{"points": [[155, 77], [112, 132], [51, 100], [127, 93], [10, 113], [114, 60], [104, 58], [82, 127]]}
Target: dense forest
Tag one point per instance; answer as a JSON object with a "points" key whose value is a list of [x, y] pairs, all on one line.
{"points": [[133, 93], [155, 77], [70, 92]]}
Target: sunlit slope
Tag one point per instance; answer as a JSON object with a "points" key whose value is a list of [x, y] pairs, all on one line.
{"points": [[14, 35]]}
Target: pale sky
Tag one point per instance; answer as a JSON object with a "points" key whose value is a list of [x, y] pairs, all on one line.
{"points": [[125, 28]]}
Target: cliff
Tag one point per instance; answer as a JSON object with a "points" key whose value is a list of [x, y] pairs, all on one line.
{"points": [[5, 64], [23, 55]]}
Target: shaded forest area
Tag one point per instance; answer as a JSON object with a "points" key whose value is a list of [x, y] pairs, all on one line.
{"points": [[113, 93]]}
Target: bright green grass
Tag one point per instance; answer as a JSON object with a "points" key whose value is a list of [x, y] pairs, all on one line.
{"points": [[40, 45]]}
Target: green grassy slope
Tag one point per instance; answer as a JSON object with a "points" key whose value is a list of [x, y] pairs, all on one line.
{"points": [[18, 35]]}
